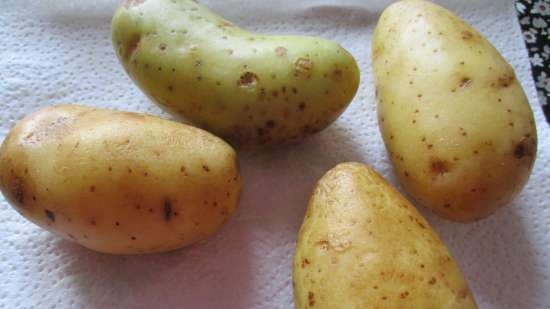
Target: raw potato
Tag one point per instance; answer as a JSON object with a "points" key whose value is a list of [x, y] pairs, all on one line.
{"points": [[455, 120], [362, 245], [250, 88], [118, 182]]}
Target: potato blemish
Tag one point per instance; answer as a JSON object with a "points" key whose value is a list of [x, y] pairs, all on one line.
{"points": [[439, 167], [465, 82], [17, 188], [467, 35], [303, 66], [168, 212], [280, 51], [131, 46], [524, 148], [248, 80], [311, 299], [506, 80], [50, 214]]}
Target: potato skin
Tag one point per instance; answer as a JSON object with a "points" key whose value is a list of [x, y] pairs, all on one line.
{"points": [[118, 182], [249, 88], [455, 120], [362, 245]]}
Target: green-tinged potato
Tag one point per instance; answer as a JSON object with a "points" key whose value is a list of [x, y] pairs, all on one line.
{"points": [[362, 245], [250, 88], [455, 120], [118, 182]]}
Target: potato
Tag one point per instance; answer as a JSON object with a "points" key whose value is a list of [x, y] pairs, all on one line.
{"points": [[252, 89], [455, 120], [118, 182], [362, 245]]}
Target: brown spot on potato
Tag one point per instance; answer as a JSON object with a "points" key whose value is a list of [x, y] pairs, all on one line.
{"points": [[133, 238], [281, 51], [432, 281], [338, 75], [465, 82], [93, 222], [168, 212], [439, 167], [17, 189], [92, 189], [311, 299], [463, 293], [131, 46], [206, 168], [506, 80], [247, 80], [467, 35], [524, 148], [50, 214], [303, 66], [404, 295], [270, 124], [323, 244]]}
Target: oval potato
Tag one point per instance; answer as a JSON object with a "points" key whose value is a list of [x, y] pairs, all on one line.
{"points": [[250, 88], [118, 182], [455, 120], [362, 245]]}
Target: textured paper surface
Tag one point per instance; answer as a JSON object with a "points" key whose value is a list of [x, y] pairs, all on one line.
{"points": [[60, 51]]}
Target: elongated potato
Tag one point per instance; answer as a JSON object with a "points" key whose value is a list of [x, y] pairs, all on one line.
{"points": [[362, 245], [250, 88], [455, 120], [118, 182]]}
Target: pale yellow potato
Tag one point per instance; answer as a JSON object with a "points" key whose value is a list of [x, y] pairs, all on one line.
{"points": [[455, 120], [362, 245], [251, 88], [118, 182]]}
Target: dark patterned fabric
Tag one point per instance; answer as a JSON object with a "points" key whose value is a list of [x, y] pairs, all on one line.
{"points": [[534, 18]]}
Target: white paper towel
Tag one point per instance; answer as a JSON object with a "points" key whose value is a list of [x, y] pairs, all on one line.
{"points": [[60, 51]]}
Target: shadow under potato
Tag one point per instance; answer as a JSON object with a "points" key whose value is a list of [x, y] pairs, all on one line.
{"points": [[205, 275], [491, 253]]}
